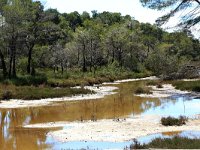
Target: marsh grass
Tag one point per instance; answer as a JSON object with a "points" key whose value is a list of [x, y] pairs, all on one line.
{"points": [[49, 84], [34, 93], [169, 143], [187, 85]]}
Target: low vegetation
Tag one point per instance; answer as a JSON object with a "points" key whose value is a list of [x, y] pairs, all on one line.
{"points": [[171, 121], [158, 84], [169, 143], [32, 93], [143, 90], [47, 84], [187, 85]]}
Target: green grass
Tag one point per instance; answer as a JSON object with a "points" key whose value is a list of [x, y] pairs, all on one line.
{"points": [[169, 143], [187, 85], [33, 93]]}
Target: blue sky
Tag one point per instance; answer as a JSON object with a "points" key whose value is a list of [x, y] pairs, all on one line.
{"points": [[130, 7]]}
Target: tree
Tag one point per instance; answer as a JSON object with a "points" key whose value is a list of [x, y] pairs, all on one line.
{"points": [[190, 18], [116, 41], [14, 13], [74, 19]]}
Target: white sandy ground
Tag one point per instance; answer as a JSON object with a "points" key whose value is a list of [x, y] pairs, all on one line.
{"points": [[113, 131], [100, 92], [191, 79], [130, 80], [167, 91], [139, 79]]}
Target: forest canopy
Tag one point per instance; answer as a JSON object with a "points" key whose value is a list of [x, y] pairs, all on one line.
{"points": [[34, 40]]}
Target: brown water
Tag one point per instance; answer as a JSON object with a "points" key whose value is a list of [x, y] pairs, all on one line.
{"points": [[122, 104]]}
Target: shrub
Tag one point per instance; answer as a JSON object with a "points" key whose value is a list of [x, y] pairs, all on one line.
{"points": [[7, 95], [171, 121], [136, 145], [187, 85], [143, 90], [159, 85]]}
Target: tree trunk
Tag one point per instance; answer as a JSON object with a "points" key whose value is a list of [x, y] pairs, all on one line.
{"points": [[29, 59], [14, 62], [5, 73], [84, 60], [10, 64]]}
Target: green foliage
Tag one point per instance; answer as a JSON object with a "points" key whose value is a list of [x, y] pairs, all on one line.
{"points": [[78, 49], [169, 143], [26, 80], [171, 121]]}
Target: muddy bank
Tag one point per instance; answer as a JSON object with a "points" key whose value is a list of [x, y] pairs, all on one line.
{"points": [[100, 92], [166, 91], [112, 131]]}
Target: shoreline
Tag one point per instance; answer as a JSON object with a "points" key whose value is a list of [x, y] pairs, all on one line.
{"points": [[101, 91], [112, 131], [167, 90]]}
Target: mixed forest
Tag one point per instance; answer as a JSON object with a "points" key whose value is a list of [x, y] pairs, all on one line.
{"points": [[45, 46]]}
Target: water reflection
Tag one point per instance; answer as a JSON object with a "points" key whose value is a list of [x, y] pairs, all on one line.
{"points": [[122, 104]]}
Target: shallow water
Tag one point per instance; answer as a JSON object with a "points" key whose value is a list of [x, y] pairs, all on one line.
{"points": [[122, 104]]}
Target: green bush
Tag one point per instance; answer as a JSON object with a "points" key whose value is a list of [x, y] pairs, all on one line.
{"points": [[171, 121], [29, 80], [187, 85], [143, 90], [7, 95]]}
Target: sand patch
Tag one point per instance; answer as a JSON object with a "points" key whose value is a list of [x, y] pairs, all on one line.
{"points": [[139, 79], [191, 79], [112, 131]]}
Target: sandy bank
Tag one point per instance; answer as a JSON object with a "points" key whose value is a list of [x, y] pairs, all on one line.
{"points": [[100, 92], [139, 79], [197, 79], [167, 91], [112, 131]]}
